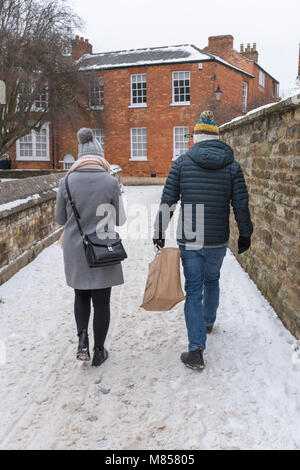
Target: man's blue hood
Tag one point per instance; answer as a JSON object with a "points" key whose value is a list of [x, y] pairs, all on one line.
{"points": [[211, 154]]}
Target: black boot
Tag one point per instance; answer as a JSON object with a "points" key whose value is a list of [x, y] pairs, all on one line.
{"points": [[193, 359], [100, 355], [83, 353]]}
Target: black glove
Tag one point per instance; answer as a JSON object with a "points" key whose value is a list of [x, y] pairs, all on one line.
{"points": [[159, 243], [244, 244]]}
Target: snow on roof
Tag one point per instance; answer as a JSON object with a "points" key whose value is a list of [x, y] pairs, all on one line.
{"points": [[132, 57], [150, 56]]}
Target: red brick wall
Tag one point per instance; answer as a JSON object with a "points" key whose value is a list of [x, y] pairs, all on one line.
{"points": [[159, 117], [222, 46]]}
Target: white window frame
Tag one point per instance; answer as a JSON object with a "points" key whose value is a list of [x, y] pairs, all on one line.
{"points": [[185, 130], [176, 76], [99, 134], [137, 77], [138, 158], [34, 158], [245, 97], [100, 92], [35, 107], [262, 79], [68, 161]]}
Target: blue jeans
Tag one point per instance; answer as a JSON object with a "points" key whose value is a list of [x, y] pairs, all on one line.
{"points": [[202, 274]]}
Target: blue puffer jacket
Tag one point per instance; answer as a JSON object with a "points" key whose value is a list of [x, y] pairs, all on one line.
{"points": [[208, 175]]}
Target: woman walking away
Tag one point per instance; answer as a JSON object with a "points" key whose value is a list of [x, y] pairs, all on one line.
{"points": [[91, 187]]}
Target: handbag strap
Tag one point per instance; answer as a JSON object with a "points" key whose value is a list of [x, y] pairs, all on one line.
{"points": [[75, 211]]}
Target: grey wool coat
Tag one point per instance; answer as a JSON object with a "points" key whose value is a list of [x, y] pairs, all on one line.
{"points": [[89, 188]]}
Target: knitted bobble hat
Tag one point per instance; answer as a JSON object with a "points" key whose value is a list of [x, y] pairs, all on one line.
{"points": [[88, 144], [206, 124]]}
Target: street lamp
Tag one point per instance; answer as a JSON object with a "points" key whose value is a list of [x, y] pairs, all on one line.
{"points": [[218, 93], [2, 92]]}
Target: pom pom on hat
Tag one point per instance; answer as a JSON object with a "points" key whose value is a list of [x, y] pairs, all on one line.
{"points": [[88, 144], [85, 135], [207, 116]]}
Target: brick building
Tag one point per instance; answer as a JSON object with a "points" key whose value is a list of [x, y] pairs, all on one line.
{"points": [[142, 102]]}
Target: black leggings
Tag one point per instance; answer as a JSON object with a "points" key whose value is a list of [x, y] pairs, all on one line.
{"points": [[101, 303]]}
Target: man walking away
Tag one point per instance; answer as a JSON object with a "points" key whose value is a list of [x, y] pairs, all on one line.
{"points": [[208, 177]]}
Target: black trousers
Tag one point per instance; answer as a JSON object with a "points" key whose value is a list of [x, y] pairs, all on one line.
{"points": [[101, 304]]}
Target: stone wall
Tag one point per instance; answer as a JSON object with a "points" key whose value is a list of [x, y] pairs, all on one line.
{"points": [[27, 224], [267, 145], [26, 173]]}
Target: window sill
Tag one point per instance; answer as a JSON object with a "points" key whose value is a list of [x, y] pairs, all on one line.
{"points": [[32, 159], [138, 159], [96, 108], [136, 106], [187, 103]]}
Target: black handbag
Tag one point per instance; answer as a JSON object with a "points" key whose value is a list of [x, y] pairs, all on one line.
{"points": [[99, 252]]}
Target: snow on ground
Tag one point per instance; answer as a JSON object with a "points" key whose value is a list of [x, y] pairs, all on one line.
{"points": [[143, 397]]}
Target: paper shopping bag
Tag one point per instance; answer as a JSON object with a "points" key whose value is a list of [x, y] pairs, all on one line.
{"points": [[163, 288]]}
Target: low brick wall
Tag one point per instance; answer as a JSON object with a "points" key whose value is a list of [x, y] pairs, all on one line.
{"points": [[29, 227], [141, 181], [267, 145], [27, 173]]}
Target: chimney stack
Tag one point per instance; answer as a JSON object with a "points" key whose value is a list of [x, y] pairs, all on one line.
{"points": [[220, 45], [250, 52], [80, 46]]}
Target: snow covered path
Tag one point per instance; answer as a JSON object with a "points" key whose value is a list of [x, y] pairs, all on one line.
{"points": [[143, 397]]}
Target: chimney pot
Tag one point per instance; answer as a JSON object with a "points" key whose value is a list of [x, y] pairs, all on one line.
{"points": [[242, 48], [81, 46]]}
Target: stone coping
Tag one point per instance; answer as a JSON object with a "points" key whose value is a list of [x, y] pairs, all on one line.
{"points": [[282, 106], [21, 189], [27, 173]]}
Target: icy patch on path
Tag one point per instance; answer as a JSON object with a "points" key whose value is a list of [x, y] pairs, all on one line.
{"points": [[143, 397]]}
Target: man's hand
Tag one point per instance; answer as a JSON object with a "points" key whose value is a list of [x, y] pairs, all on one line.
{"points": [[159, 243], [244, 244]]}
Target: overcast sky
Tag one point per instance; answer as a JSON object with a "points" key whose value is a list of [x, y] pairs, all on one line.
{"points": [[128, 24]]}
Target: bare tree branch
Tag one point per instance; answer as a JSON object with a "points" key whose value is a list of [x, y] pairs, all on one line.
{"points": [[35, 58]]}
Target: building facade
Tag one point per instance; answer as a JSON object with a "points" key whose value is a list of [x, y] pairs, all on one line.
{"points": [[142, 103]]}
